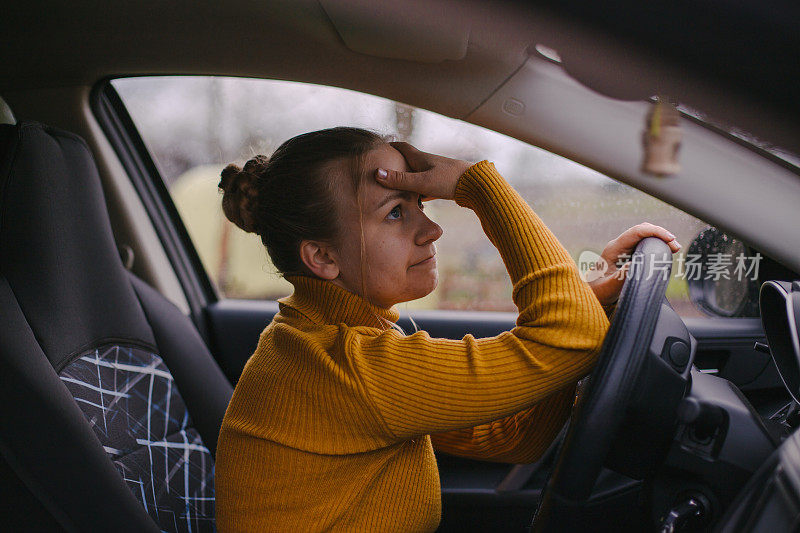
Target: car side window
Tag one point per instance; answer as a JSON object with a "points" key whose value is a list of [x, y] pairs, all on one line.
{"points": [[194, 126]]}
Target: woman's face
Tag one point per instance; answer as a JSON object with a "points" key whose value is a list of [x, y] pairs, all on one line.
{"points": [[399, 256]]}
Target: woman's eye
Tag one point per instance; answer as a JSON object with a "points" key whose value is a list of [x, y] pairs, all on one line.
{"points": [[420, 204], [394, 213]]}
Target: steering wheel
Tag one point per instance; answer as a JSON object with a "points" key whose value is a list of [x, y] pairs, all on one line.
{"points": [[601, 409]]}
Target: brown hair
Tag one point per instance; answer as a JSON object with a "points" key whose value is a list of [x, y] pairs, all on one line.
{"points": [[291, 196]]}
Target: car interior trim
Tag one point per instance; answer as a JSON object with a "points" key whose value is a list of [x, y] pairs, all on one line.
{"points": [[564, 117], [144, 175]]}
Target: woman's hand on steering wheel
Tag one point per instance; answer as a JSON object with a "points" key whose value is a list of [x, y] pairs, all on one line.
{"points": [[608, 286]]}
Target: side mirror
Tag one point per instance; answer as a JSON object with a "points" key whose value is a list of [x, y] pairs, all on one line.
{"points": [[724, 279]]}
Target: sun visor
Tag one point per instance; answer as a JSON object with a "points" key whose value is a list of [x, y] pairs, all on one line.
{"points": [[430, 32]]}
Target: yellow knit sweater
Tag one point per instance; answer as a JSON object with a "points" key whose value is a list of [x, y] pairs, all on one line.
{"points": [[329, 426]]}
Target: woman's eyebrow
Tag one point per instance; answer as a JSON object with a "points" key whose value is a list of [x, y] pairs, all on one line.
{"points": [[393, 196]]}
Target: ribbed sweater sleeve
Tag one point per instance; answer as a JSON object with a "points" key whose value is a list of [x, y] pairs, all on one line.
{"points": [[421, 385], [519, 438]]}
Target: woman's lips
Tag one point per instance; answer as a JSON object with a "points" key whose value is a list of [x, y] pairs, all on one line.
{"points": [[429, 261]]}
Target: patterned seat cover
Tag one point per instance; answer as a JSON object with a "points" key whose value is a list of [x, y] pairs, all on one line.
{"points": [[158, 452]]}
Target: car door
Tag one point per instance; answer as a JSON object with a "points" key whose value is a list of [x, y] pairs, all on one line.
{"points": [[174, 135]]}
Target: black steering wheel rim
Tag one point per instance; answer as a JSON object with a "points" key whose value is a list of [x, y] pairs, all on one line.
{"points": [[602, 407]]}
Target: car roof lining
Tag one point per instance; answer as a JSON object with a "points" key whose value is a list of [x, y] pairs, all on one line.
{"points": [[297, 40], [391, 30], [48, 79], [279, 40]]}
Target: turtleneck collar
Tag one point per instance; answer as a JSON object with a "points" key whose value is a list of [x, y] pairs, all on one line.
{"points": [[323, 302]]}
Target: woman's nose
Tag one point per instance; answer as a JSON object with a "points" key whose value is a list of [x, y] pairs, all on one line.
{"points": [[428, 232]]}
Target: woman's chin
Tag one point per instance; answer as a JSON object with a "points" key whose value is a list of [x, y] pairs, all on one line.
{"points": [[431, 285], [421, 290]]}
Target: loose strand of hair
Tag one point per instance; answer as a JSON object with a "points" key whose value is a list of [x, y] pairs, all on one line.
{"points": [[411, 318]]}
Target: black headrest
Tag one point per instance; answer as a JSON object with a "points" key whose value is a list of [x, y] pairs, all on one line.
{"points": [[57, 250]]}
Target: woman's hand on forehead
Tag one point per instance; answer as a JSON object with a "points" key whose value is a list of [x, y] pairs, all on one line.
{"points": [[432, 176]]}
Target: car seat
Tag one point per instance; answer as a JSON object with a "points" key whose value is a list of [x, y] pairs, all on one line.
{"points": [[110, 402]]}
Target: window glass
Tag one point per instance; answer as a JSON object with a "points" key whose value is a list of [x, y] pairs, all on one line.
{"points": [[194, 126]]}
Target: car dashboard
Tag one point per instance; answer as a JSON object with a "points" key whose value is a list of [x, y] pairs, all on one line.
{"points": [[721, 437], [770, 501]]}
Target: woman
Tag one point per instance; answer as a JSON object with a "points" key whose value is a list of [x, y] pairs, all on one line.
{"points": [[330, 424]]}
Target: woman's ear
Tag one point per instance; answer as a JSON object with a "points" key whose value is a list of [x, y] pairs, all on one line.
{"points": [[320, 259]]}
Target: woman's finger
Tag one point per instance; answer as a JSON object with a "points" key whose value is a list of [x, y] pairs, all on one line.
{"points": [[628, 240], [432, 176], [632, 236], [418, 182], [416, 159]]}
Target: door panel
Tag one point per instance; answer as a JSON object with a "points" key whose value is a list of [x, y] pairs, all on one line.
{"points": [[234, 329]]}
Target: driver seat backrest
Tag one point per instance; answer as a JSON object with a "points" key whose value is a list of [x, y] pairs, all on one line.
{"points": [[110, 402]]}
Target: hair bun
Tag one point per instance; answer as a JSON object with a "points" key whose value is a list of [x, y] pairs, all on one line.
{"points": [[240, 196]]}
